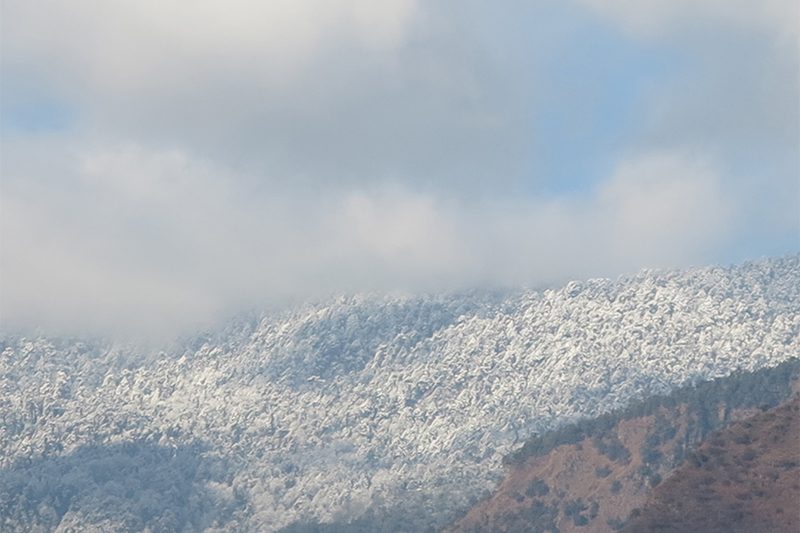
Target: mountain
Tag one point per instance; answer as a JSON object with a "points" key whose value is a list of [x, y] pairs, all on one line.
{"points": [[745, 478], [376, 411], [595, 475]]}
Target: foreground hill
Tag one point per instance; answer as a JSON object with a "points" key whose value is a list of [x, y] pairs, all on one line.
{"points": [[392, 412], [595, 475], [743, 479]]}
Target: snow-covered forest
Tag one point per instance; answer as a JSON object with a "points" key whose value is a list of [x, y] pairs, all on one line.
{"points": [[398, 409]]}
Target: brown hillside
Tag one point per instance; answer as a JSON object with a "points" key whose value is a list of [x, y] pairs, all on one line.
{"points": [[743, 479], [576, 487], [599, 481]]}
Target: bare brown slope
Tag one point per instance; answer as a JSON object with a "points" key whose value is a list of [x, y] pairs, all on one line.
{"points": [[575, 487], [595, 477], [744, 479]]}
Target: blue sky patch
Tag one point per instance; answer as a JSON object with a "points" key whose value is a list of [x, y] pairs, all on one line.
{"points": [[593, 94], [36, 116]]}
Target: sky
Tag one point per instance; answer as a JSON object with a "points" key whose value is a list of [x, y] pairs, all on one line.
{"points": [[164, 164]]}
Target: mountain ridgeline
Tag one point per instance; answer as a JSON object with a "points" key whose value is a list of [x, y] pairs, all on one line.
{"points": [[364, 413], [708, 404]]}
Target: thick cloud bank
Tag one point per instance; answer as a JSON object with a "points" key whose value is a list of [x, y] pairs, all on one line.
{"points": [[168, 162]]}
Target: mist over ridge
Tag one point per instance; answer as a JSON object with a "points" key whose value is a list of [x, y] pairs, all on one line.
{"points": [[389, 407]]}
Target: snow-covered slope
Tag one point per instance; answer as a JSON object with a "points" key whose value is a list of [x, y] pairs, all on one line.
{"points": [[396, 408]]}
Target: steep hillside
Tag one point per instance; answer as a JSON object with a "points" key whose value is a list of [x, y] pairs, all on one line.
{"points": [[592, 476], [743, 479], [392, 410]]}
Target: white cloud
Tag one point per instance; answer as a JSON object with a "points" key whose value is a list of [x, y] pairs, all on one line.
{"points": [[665, 208], [649, 18], [152, 242], [250, 152], [407, 231], [129, 46], [54, 278], [159, 241]]}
